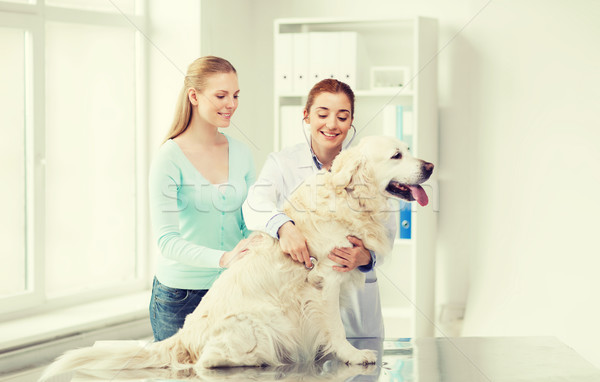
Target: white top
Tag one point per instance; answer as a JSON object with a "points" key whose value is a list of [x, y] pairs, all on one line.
{"points": [[281, 174]]}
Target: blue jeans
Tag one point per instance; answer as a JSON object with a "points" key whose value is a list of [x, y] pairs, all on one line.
{"points": [[169, 308]]}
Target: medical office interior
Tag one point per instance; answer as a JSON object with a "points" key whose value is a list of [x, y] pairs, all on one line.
{"points": [[508, 246]]}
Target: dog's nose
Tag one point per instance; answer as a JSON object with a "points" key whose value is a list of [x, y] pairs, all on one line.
{"points": [[428, 167]]}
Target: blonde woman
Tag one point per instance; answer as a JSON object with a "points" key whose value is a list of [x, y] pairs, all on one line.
{"points": [[198, 182]]}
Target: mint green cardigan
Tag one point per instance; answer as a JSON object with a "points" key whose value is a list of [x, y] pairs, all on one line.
{"points": [[195, 222]]}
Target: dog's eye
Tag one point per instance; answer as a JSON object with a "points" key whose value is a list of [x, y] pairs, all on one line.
{"points": [[398, 155]]}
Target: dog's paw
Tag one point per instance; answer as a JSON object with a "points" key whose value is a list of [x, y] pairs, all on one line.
{"points": [[361, 357]]}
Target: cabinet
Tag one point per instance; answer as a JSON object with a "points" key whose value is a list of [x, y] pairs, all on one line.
{"points": [[388, 63]]}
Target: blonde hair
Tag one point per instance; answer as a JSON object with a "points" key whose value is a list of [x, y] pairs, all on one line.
{"points": [[197, 74]]}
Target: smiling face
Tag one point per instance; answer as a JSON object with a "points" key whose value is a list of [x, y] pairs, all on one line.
{"points": [[217, 102], [330, 118]]}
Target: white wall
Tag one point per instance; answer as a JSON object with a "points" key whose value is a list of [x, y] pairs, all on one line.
{"points": [[536, 129], [173, 43], [518, 87], [229, 31]]}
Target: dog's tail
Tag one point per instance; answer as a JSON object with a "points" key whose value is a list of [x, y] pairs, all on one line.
{"points": [[117, 356]]}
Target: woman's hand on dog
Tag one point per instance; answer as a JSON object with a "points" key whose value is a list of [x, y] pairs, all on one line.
{"points": [[235, 254], [293, 243], [350, 257]]}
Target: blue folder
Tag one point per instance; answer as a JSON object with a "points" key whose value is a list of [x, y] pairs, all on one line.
{"points": [[405, 220]]}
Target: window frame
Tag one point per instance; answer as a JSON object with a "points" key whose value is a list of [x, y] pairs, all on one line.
{"points": [[32, 19]]}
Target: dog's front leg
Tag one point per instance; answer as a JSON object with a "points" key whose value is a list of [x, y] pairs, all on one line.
{"points": [[339, 344]]}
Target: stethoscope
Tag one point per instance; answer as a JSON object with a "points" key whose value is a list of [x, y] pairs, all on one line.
{"points": [[315, 159]]}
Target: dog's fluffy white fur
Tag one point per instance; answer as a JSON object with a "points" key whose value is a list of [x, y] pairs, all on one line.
{"points": [[267, 309]]}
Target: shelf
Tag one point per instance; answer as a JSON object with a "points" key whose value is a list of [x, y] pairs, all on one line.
{"points": [[400, 92], [333, 24], [353, 21], [373, 46], [403, 242], [292, 95]]}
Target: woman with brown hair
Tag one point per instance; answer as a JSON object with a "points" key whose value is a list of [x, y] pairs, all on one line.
{"points": [[329, 111], [198, 182]]}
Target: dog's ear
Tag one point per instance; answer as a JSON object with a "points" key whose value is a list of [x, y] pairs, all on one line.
{"points": [[348, 167]]}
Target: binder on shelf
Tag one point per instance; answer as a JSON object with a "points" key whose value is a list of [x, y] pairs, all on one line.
{"points": [[300, 59], [283, 63], [404, 133], [405, 225], [407, 127], [290, 125], [389, 122], [323, 56], [303, 59], [347, 57], [399, 122]]}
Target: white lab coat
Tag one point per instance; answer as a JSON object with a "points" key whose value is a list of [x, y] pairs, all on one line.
{"points": [[281, 174]]}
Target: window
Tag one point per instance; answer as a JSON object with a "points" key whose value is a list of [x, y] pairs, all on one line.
{"points": [[90, 115], [12, 171], [71, 166], [112, 6]]}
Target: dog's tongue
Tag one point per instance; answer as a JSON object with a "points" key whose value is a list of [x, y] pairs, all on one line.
{"points": [[419, 194]]}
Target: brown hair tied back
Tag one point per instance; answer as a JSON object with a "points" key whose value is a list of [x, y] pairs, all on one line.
{"points": [[330, 85]]}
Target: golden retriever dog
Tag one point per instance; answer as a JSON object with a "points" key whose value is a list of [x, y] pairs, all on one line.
{"points": [[267, 309]]}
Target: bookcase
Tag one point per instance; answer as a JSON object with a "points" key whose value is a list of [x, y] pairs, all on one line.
{"points": [[391, 65]]}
